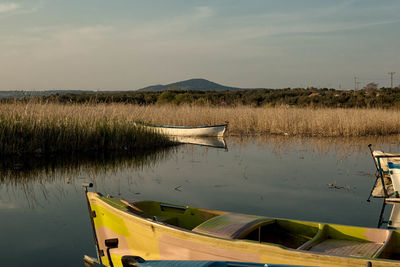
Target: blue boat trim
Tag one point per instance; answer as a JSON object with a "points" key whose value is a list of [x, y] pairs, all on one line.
{"points": [[392, 165]]}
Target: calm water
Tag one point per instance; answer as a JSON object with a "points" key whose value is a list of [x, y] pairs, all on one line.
{"points": [[44, 218]]}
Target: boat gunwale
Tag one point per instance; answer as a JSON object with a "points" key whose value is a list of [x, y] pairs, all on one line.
{"points": [[247, 241], [181, 126], [150, 220], [180, 229]]}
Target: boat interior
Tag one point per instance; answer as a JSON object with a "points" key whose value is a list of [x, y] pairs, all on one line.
{"points": [[322, 238]]}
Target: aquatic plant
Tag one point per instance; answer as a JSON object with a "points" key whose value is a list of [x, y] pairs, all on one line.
{"points": [[53, 128], [36, 127]]}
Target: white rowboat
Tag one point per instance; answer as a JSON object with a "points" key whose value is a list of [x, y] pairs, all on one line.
{"points": [[205, 130]]}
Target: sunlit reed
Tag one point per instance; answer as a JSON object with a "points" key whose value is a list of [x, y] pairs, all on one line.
{"points": [[53, 128], [246, 120]]}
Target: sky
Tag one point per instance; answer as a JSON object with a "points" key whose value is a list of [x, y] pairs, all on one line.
{"points": [[130, 44]]}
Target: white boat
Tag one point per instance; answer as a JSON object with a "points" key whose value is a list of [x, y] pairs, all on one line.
{"points": [[387, 183], [394, 219], [204, 130], [394, 171]]}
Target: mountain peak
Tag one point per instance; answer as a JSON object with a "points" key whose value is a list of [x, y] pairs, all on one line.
{"points": [[195, 84]]}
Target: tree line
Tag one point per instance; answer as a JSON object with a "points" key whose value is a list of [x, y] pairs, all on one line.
{"points": [[299, 97]]}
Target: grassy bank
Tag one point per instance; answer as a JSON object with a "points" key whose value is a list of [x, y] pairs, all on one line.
{"points": [[52, 128]]}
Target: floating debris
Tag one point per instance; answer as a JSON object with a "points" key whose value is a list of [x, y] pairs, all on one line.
{"points": [[220, 185], [348, 188], [335, 186], [178, 188]]}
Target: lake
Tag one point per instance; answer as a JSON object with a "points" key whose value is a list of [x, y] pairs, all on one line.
{"points": [[44, 216]]}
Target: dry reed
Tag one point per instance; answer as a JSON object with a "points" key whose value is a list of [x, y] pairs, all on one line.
{"points": [[53, 128], [75, 127], [246, 120]]}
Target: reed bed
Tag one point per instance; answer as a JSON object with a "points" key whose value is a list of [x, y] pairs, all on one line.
{"points": [[51, 127], [246, 120]]}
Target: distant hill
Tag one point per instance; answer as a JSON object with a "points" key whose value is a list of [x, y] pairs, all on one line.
{"points": [[192, 85], [21, 94], [188, 85]]}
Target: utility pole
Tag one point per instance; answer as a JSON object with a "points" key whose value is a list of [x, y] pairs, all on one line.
{"points": [[355, 83], [391, 78]]}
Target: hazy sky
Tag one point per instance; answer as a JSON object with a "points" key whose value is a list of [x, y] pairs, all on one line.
{"points": [[129, 44]]}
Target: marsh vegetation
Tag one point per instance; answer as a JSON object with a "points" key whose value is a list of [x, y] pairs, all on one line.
{"points": [[35, 127], [67, 129]]}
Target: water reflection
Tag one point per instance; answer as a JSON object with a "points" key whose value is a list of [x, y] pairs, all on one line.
{"points": [[216, 142], [32, 175], [389, 216], [342, 146], [42, 203], [19, 169]]}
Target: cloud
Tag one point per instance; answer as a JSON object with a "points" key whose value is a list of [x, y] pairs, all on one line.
{"points": [[173, 27], [203, 12], [8, 7], [207, 41], [340, 17]]}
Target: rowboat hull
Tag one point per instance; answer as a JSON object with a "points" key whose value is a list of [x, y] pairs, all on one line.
{"points": [[157, 239], [212, 130]]}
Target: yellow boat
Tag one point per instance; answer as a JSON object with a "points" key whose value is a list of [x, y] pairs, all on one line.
{"points": [[161, 231]]}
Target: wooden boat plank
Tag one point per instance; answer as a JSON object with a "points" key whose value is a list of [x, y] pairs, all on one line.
{"points": [[347, 248], [231, 225]]}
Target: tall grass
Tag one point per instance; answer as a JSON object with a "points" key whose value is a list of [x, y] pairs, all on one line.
{"points": [[246, 120], [52, 128]]}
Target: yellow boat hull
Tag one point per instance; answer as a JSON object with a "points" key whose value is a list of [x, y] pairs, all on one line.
{"points": [[155, 240]]}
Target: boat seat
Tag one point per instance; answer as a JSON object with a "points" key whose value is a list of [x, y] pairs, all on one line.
{"points": [[347, 248], [231, 225], [323, 242]]}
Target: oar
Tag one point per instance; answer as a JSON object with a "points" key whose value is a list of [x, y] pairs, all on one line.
{"points": [[372, 154]]}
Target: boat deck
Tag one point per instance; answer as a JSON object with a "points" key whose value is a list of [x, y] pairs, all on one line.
{"points": [[347, 248]]}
